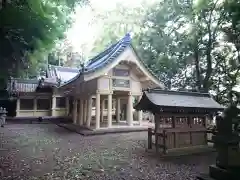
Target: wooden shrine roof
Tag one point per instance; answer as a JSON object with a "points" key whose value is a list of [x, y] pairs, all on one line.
{"points": [[23, 85], [64, 74], [29, 85], [108, 56], [177, 99]]}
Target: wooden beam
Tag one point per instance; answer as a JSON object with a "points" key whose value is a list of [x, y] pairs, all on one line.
{"points": [[144, 79]]}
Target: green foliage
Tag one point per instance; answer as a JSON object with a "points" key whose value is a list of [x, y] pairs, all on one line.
{"points": [[161, 44], [188, 44], [116, 23], [29, 28]]}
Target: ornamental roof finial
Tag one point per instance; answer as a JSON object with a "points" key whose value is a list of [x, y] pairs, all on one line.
{"points": [[128, 36]]}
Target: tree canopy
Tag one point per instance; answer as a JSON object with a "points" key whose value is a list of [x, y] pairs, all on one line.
{"points": [[191, 45], [28, 28]]}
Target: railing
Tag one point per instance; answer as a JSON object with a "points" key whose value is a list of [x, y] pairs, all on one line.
{"points": [[161, 138], [158, 135]]}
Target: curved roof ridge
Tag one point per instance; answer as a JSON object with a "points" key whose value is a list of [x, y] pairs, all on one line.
{"points": [[101, 54], [107, 58], [187, 100], [187, 93], [126, 38], [63, 67], [112, 54]]}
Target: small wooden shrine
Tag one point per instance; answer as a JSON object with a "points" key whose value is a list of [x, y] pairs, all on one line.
{"points": [[180, 117]]}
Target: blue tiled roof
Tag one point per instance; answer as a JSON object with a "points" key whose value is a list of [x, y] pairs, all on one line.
{"points": [[109, 54]]}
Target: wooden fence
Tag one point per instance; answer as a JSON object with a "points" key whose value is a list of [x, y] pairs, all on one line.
{"points": [[169, 139]]}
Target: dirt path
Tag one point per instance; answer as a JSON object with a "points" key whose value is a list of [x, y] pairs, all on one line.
{"points": [[46, 151]]}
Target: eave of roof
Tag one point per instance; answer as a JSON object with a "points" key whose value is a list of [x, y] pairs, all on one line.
{"points": [[177, 99], [147, 68]]}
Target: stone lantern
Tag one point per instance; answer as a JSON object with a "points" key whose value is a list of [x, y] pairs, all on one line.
{"points": [[3, 115], [226, 142]]}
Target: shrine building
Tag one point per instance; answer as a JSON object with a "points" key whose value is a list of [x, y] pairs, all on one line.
{"points": [[100, 94], [181, 118]]}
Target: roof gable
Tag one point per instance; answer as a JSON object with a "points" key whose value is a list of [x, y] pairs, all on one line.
{"points": [[107, 57], [111, 57]]}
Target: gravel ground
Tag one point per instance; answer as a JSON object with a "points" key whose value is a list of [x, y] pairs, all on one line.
{"points": [[48, 152]]}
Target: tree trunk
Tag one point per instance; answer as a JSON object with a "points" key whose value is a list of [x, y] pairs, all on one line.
{"points": [[206, 84], [4, 3], [197, 66]]}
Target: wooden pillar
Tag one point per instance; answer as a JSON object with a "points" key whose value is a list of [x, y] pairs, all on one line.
{"points": [[139, 112], [174, 134], [205, 125], [34, 106], [205, 121], [130, 110], [190, 124], [153, 118], [85, 111], [18, 107], [173, 122], [190, 121], [164, 141], [81, 111], [97, 119], [67, 106], [89, 116], [102, 110], [149, 138], [82, 116], [157, 122], [156, 142], [109, 110], [118, 109], [74, 111], [53, 105]]}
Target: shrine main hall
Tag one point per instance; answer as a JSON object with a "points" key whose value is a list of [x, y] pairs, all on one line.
{"points": [[99, 95]]}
